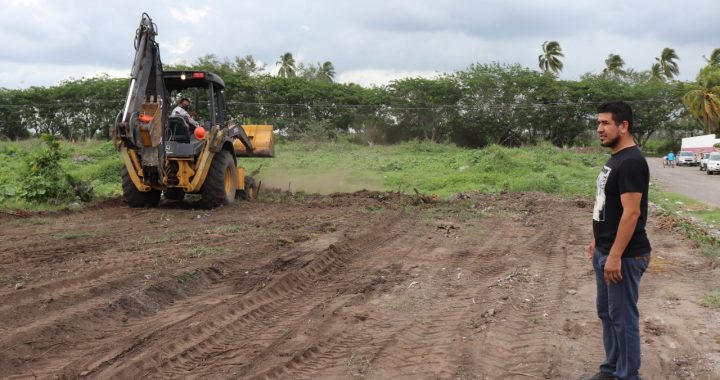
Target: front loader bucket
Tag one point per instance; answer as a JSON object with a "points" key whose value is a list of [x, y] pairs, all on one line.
{"points": [[262, 140]]}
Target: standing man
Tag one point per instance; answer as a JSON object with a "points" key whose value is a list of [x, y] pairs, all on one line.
{"points": [[181, 110], [620, 249]]}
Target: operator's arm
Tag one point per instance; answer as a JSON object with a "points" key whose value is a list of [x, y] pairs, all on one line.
{"points": [[191, 120], [628, 221], [179, 111]]}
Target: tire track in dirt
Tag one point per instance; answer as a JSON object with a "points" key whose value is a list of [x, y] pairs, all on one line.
{"points": [[436, 331], [439, 329], [535, 349], [324, 354], [499, 344], [231, 320], [84, 314], [516, 331], [386, 343], [321, 351], [67, 298], [508, 294]]}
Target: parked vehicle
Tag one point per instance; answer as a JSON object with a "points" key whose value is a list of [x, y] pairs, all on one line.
{"points": [[699, 144], [713, 164], [703, 161], [687, 158]]}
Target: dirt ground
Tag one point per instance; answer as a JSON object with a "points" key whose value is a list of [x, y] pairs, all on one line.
{"points": [[362, 285]]}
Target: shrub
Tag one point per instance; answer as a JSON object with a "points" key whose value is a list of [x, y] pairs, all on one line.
{"points": [[44, 180]]}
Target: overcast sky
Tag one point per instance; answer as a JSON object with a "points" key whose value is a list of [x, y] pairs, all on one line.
{"points": [[368, 41]]}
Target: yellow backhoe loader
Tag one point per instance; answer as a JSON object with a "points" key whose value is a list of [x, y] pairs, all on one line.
{"points": [[170, 153]]}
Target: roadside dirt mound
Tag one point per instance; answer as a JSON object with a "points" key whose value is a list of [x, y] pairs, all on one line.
{"points": [[359, 285]]}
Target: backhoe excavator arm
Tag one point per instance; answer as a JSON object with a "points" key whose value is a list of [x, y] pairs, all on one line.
{"points": [[141, 123]]}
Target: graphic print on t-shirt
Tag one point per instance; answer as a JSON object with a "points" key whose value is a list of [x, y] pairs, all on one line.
{"points": [[599, 209]]}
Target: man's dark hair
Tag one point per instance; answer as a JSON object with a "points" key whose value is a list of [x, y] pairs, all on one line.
{"points": [[184, 99], [620, 111]]}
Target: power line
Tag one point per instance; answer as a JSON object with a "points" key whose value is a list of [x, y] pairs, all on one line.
{"points": [[389, 107]]}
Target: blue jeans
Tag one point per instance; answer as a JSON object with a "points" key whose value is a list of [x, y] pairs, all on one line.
{"points": [[617, 309]]}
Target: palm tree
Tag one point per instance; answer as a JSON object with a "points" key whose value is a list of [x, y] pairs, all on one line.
{"points": [[614, 65], [714, 59], [703, 101], [549, 60], [287, 66], [667, 63], [327, 71], [656, 72]]}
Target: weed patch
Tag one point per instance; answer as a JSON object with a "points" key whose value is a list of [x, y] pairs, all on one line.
{"points": [[184, 277], [201, 250], [227, 229], [712, 299]]}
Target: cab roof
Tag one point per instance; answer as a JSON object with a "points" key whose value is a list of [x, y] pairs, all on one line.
{"points": [[180, 80]]}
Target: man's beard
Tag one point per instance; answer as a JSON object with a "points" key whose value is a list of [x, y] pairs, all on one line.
{"points": [[611, 143]]}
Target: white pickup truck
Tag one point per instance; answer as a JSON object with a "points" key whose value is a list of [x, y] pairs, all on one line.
{"points": [[713, 163]]}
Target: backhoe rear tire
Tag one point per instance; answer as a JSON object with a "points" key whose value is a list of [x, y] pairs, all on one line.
{"points": [[220, 186], [135, 197]]}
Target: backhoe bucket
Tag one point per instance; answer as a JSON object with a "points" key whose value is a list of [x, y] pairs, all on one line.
{"points": [[150, 124], [262, 140]]}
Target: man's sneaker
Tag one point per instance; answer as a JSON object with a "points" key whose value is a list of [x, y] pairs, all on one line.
{"points": [[600, 376]]}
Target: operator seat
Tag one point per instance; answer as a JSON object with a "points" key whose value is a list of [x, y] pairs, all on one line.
{"points": [[179, 130]]}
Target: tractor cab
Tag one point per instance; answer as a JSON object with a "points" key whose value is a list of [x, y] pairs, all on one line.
{"points": [[205, 91], [208, 108]]}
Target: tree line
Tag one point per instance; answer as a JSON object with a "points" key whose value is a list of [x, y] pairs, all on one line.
{"points": [[483, 104]]}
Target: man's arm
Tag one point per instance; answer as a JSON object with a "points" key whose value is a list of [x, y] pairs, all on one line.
{"points": [[628, 221], [179, 111]]}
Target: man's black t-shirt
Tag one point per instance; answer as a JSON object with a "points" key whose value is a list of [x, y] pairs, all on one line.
{"points": [[625, 172]]}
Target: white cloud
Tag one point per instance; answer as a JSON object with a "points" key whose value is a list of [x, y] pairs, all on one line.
{"points": [[25, 3], [188, 14], [369, 42], [181, 46], [23, 76]]}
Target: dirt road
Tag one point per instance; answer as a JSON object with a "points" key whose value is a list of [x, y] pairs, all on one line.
{"points": [[363, 285], [687, 180]]}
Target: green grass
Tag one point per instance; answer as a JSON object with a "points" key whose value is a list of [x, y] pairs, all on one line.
{"points": [[76, 235], [95, 162], [325, 168], [404, 306], [146, 240], [226, 229], [343, 167], [712, 299], [201, 250], [682, 205], [430, 168], [693, 218]]}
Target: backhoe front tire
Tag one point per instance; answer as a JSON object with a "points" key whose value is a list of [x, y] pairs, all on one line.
{"points": [[220, 186], [136, 198]]}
